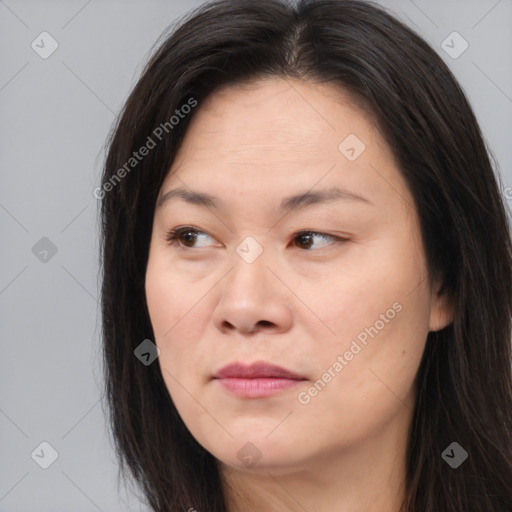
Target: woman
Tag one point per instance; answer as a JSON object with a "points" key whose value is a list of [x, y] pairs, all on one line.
{"points": [[306, 271]]}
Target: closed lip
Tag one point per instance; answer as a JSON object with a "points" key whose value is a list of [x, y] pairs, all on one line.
{"points": [[256, 370]]}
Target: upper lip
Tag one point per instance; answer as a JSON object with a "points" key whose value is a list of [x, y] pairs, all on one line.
{"points": [[259, 369]]}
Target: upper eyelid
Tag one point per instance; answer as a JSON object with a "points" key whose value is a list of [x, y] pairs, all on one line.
{"points": [[183, 229]]}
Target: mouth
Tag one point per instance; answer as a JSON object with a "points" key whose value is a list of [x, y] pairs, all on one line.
{"points": [[257, 380]]}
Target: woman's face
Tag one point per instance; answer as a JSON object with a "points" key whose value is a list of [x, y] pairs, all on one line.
{"points": [[280, 268]]}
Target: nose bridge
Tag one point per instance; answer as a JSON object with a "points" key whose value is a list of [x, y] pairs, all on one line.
{"points": [[250, 250], [250, 295], [249, 262]]}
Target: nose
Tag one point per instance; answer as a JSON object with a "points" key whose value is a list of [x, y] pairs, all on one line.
{"points": [[253, 298]]}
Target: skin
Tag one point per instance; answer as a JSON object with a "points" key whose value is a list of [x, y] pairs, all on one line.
{"points": [[300, 304]]}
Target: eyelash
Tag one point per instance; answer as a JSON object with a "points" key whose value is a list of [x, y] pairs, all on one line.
{"points": [[173, 236]]}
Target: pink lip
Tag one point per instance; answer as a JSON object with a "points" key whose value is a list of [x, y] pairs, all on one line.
{"points": [[257, 380]]}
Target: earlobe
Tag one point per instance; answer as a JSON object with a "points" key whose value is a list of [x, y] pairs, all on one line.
{"points": [[442, 310]]}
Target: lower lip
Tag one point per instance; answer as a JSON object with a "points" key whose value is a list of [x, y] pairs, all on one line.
{"points": [[257, 388]]}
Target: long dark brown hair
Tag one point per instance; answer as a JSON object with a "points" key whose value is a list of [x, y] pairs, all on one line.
{"points": [[464, 388]]}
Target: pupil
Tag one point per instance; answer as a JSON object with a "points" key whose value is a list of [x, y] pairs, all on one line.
{"points": [[308, 239], [189, 236]]}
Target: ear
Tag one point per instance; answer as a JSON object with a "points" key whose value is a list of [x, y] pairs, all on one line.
{"points": [[442, 308]]}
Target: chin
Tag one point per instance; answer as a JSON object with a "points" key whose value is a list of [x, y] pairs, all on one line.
{"points": [[259, 453]]}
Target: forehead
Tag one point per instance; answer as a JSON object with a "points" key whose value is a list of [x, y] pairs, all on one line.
{"points": [[274, 116], [278, 134]]}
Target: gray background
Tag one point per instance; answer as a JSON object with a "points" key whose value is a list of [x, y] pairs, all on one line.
{"points": [[55, 115]]}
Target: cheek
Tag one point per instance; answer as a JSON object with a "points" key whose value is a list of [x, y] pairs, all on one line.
{"points": [[177, 316], [362, 386], [167, 312], [175, 288], [169, 297], [350, 299], [379, 317]]}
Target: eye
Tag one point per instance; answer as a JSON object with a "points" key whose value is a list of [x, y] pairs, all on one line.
{"points": [[306, 239], [185, 236], [188, 236]]}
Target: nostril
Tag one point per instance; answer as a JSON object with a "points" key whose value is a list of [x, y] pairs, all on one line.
{"points": [[227, 325]]}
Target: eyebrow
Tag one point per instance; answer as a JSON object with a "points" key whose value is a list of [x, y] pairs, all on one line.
{"points": [[293, 202]]}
